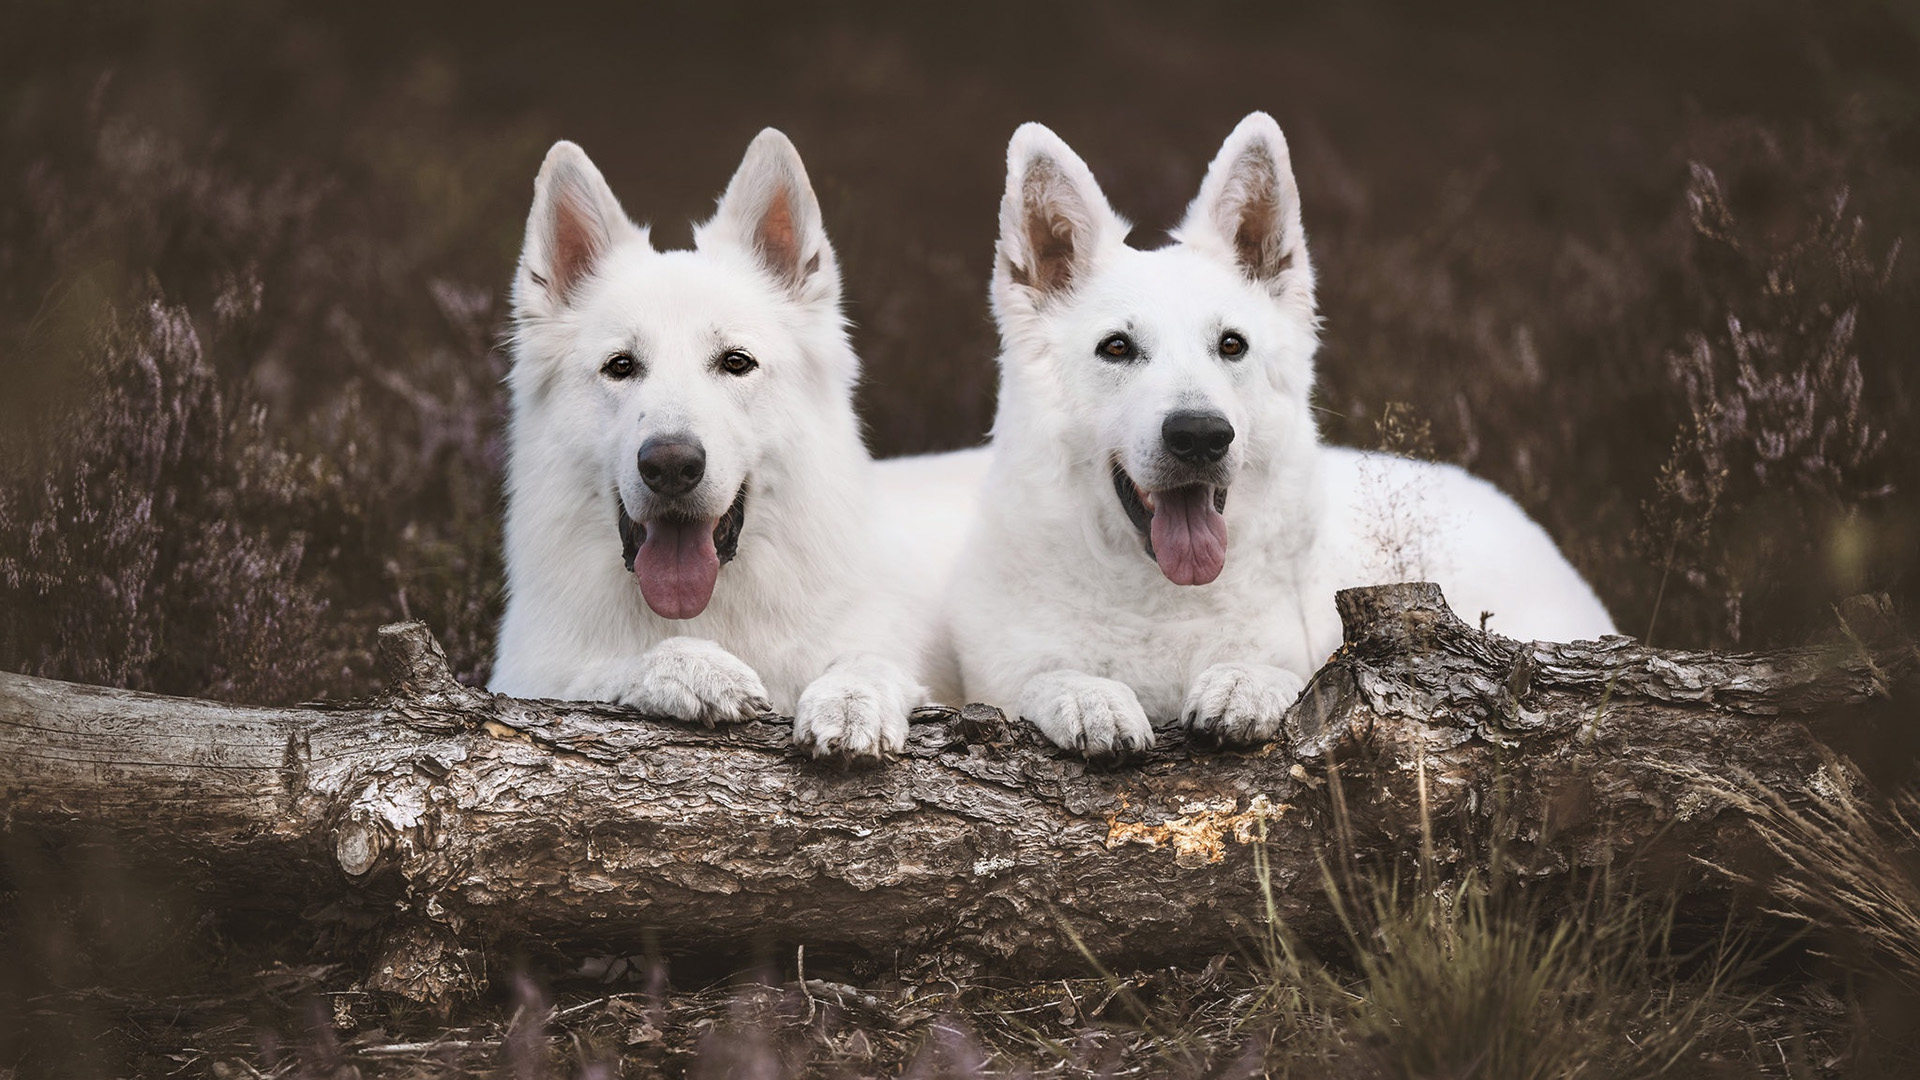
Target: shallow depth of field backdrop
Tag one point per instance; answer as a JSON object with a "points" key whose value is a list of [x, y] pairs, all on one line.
{"points": [[1638, 263]]}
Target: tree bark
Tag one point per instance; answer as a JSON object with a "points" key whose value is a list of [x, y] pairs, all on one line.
{"points": [[474, 822]]}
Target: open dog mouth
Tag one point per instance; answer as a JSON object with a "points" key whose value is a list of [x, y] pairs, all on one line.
{"points": [[678, 559], [1183, 526]]}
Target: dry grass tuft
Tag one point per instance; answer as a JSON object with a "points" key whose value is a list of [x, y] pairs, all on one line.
{"points": [[1471, 981], [1850, 865]]}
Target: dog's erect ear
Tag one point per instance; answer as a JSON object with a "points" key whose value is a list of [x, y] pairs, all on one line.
{"points": [[1053, 217], [1248, 210], [574, 223], [769, 209]]}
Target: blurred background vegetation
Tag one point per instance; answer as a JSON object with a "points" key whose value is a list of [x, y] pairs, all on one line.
{"points": [[1638, 263]]}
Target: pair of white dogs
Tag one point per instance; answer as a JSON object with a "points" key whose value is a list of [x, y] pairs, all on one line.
{"points": [[1155, 533]]}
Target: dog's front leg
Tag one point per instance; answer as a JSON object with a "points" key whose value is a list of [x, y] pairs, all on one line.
{"points": [[1240, 704], [685, 678], [857, 709], [1098, 717]]}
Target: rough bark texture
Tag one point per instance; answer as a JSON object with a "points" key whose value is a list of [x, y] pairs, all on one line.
{"points": [[476, 822]]}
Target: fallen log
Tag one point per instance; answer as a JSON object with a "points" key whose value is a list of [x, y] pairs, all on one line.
{"points": [[470, 823]]}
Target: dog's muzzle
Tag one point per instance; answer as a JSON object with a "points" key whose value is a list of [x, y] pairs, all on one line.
{"points": [[1181, 527], [1133, 499], [726, 531]]}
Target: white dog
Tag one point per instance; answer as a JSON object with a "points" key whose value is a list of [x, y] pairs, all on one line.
{"points": [[1161, 533], [691, 522]]}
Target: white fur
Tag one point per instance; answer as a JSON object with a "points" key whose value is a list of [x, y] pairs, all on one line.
{"points": [[1056, 609], [822, 612]]}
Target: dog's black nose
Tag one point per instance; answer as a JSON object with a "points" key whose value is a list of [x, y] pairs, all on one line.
{"points": [[672, 466], [1198, 438]]}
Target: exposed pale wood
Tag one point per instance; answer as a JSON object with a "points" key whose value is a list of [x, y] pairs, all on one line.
{"points": [[476, 822]]}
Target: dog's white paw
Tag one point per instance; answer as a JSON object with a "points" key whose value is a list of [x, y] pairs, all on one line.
{"points": [[1240, 704], [1100, 718], [845, 715], [693, 679]]}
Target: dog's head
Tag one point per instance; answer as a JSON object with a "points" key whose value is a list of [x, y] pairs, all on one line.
{"points": [[670, 377], [1163, 375]]}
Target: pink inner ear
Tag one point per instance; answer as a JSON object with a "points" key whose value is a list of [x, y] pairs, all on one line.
{"points": [[576, 243], [777, 240], [1050, 234], [1258, 239]]}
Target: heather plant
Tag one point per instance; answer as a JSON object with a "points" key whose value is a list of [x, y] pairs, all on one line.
{"points": [[1766, 508], [133, 543], [234, 481], [1701, 417]]}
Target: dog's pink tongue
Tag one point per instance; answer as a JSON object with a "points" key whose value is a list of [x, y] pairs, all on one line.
{"points": [[677, 567], [1189, 535]]}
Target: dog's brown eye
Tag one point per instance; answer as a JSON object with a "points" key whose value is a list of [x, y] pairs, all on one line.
{"points": [[1117, 347], [619, 366], [737, 362], [1232, 345]]}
